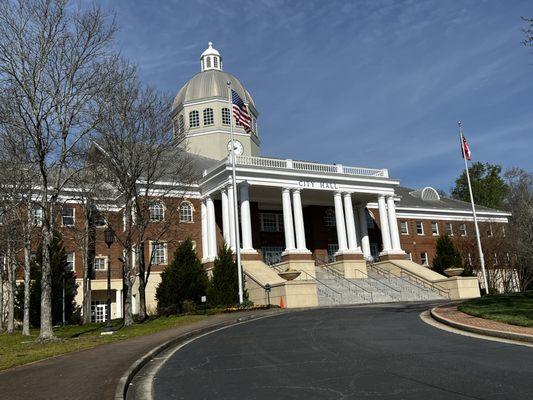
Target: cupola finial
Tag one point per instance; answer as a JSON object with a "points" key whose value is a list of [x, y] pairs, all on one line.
{"points": [[211, 59]]}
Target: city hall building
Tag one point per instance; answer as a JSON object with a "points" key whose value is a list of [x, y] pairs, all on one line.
{"points": [[351, 234]]}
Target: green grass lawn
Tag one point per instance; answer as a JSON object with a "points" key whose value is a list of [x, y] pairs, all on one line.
{"points": [[17, 349], [515, 308]]}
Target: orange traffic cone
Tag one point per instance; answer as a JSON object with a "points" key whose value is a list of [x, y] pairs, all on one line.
{"points": [[281, 303]]}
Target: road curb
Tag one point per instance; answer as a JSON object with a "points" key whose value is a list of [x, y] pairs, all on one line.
{"points": [[127, 377], [482, 331]]}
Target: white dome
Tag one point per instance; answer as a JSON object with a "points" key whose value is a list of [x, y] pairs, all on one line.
{"points": [[210, 51]]}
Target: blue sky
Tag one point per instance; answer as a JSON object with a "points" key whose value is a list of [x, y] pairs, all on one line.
{"points": [[363, 83]]}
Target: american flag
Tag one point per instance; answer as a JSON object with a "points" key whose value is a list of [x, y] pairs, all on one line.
{"points": [[240, 112], [465, 148]]}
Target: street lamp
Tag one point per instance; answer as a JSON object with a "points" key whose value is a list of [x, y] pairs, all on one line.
{"points": [[109, 239]]}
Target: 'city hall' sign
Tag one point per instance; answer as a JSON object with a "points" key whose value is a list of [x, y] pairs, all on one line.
{"points": [[318, 185]]}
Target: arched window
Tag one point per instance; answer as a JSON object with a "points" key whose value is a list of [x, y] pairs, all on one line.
{"points": [[157, 211], [226, 116], [215, 62], [208, 116], [329, 218], [181, 124], [194, 119], [186, 212], [208, 62]]}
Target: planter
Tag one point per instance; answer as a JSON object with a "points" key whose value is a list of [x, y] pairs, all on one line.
{"points": [[289, 275], [453, 271]]}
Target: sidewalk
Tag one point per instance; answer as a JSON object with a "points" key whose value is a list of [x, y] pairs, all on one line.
{"points": [[449, 315], [94, 373]]}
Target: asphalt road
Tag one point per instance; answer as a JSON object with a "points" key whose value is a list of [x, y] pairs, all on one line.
{"points": [[380, 352]]}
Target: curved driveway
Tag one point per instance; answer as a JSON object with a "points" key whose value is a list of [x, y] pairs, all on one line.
{"points": [[379, 352]]}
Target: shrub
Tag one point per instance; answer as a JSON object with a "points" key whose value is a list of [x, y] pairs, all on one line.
{"points": [[185, 279], [224, 289], [447, 255]]}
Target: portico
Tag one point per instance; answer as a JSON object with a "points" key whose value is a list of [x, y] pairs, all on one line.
{"points": [[291, 192]]}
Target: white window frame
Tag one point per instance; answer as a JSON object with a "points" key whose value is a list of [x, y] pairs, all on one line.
{"points": [[71, 263], [448, 225], [68, 216], [489, 231], [194, 119], [226, 116], [106, 261], [208, 116], [462, 229], [404, 224], [435, 224], [421, 228], [181, 124], [329, 218], [424, 258], [157, 211], [190, 218], [37, 216], [156, 258], [271, 222]]}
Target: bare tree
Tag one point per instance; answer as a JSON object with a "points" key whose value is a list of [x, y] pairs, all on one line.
{"points": [[528, 32], [53, 62], [136, 140]]}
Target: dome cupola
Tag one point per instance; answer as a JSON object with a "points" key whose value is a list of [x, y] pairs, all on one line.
{"points": [[211, 59]]}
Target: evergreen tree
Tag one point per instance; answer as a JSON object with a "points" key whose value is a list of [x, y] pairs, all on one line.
{"points": [[60, 276], [488, 187], [224, 290], [184, 279], [447, 255]]}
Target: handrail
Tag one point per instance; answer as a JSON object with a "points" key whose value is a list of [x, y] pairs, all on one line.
{"points": [[387, 274], [432, 286], [338, 275], [374, 279]]}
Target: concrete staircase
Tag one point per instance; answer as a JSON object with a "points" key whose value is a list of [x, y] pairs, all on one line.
{"points": [[378, 286]]}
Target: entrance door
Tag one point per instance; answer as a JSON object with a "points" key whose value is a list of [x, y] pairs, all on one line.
{"points": [[98, 311], [271, 254]]}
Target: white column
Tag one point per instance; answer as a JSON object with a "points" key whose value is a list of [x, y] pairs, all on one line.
{"points": [[118, 303], [299, 221], [363, 227], [288, 225], [350, 223], [393, 224], [246, 220], [384, 224], [211, 228], [231, 214], [225, 217], [205, 241], [339, 219]]}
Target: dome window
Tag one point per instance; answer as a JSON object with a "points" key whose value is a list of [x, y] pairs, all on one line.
{"points": [[208, 62], [215, 62], [181, 125], [208, 117], [226, 116], [194, 119]]}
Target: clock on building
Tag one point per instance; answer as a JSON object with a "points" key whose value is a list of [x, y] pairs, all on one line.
{"points": [[237, 147]]}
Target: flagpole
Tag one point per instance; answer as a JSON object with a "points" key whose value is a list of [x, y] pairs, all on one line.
{"points": [[234, 205], [480, 249]]}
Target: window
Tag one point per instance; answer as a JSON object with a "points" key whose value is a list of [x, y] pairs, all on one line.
{"points": [[157, 211], [449, 229], [226, 116], [98, 311], [71, 262], [37, 216], [208, 116], [333, 248], [424, 258], [215, 62], [194, 119], [434, 228], [271, 222], [99, 219], [369, 219], [67, 215], [419, 228], [186, 212], [489, 230], [462, 229], [159, 253], [208, 62], [181, 125], [409, 256], [503, 230], [100, 263], [271, 254], [329, 218], [404, 229]]}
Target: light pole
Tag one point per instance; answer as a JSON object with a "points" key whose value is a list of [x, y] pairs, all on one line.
{"points": [[109, 239], [268, 288]]}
